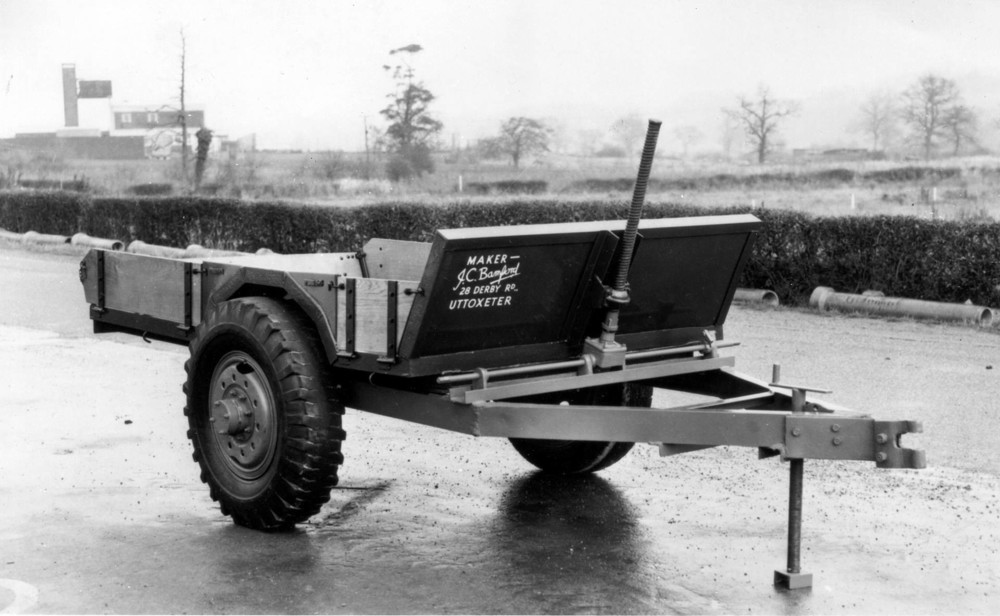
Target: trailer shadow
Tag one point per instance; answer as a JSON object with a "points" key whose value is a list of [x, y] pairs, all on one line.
{"points": [[573, 543]]}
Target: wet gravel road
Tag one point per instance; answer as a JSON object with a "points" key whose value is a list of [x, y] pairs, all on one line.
{"points": [[103, 510]]}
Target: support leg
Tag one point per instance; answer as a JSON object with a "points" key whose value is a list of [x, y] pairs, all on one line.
{"points": [[793, 578]]}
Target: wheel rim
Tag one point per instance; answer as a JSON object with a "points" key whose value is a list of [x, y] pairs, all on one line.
{"points": [[243, 416]]}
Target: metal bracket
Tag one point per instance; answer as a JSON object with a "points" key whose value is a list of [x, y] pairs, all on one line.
{"points": [[617, 298], [710, 348], [361, 256], [838, 437], [793, 581], [101, 299], [350, 318], [799, 404], [188, 297], [827, 437], [889, 453], [606, 352], [391, 323], [482, 379], [670, 449]]}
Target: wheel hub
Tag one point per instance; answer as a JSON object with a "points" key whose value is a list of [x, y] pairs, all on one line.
{"points": [[242, 414], [233, 414]]}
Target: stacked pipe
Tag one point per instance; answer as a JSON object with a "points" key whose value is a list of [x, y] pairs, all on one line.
{"points": [[45, 238], [756, 296], [80, 239], [193, 251], [825, 298], [11, 236]]}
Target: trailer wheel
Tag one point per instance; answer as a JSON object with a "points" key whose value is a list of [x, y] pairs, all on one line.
{"points": [[262, 414], [578, 457]]}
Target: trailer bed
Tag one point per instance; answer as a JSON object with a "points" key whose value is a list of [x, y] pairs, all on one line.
{"points": [[471, 298]]}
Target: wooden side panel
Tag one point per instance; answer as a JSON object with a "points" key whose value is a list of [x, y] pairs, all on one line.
{"points": [[148, 286], [371, 309], [396, 259]]}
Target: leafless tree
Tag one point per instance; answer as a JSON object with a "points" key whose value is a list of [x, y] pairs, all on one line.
{"points": [[688, 136], [522, 136], [877, 119], [759, 117], [926, 106], [961, 124]]}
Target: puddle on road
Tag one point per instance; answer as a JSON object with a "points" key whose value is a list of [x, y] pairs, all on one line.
{"points": [[358, 497]]}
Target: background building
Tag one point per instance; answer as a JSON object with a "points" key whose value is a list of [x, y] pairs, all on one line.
{"points": [[160, 127], [96, 128]]}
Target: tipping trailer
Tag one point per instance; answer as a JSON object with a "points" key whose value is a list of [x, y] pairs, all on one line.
{"points": [[552, 336]]}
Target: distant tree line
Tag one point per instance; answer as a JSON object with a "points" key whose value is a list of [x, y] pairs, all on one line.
{"points": [[930, 118]]}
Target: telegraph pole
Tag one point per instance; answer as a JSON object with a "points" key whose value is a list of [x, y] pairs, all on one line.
{"points": [[184, 132], [367, 158]]}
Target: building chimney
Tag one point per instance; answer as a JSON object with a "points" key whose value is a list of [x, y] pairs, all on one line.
{"points": [[69, 95]]}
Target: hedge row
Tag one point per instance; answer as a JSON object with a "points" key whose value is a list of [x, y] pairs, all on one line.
{"points": [[151, 189], [823, 177], [508, 187], [794, 253], [76, 184]]}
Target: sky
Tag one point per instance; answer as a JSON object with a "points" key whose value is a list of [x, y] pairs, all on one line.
{"points": [[308, 74]]}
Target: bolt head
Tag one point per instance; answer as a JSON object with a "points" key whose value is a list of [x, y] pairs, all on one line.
{"points": [[881, 438], [837, 441], [796, 432], [835, 428], [881, 457]]}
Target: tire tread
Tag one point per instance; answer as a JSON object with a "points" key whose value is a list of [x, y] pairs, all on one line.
{"points": [[310, 449]]}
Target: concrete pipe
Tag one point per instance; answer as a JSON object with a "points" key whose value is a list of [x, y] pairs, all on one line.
{"points": [[198, 251], [825, 298], [45, 238], [152, 250], [756, 296], [82, 239]]}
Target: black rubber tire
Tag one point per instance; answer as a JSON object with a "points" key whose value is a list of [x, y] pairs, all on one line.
{"points": [[579, 457], [259, 360]]}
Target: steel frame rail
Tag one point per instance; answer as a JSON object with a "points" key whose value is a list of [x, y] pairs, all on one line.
{"points": [[758, 415]]}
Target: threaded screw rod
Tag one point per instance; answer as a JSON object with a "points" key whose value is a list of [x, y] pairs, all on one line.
{"points": [[635, 212]]}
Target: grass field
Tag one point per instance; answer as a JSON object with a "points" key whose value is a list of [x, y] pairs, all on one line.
{"points": [[336, 178]]}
